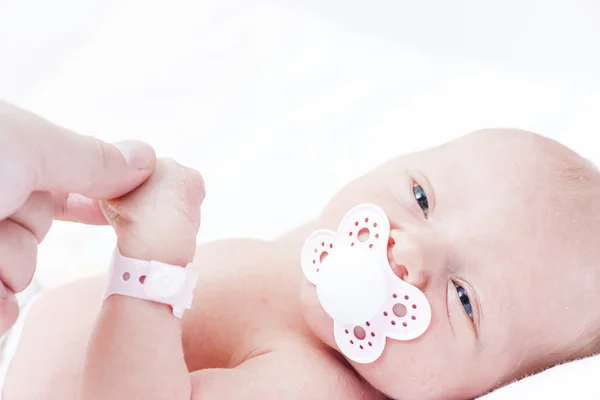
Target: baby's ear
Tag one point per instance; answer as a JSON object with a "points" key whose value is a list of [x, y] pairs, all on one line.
{"points": [[164, 211]]}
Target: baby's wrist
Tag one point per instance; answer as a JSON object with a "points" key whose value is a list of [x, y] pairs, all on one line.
{"points": [[151, 247]]}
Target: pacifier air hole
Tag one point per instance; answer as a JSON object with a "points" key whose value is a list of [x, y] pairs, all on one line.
{"points": [[359, 335], [363, 234], [399, 310], [321, 253], [323, 256]]}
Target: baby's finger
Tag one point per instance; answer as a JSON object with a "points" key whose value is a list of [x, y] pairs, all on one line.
{"points": [[18, 255], [9, 309], [36, 214]]}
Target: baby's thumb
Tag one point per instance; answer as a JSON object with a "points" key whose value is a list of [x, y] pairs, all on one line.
{"points": [[160, 219]]}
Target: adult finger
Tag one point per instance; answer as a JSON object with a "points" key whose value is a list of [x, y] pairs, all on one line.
{"points": [[18, 255], [51, 158], [36, 214], [76, 208]]}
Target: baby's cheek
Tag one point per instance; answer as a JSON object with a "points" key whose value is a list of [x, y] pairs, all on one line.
{"points": [[429, 367], [398, 373]]}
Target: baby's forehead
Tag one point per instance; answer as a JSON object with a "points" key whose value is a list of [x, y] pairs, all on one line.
{"points": [[511, 187], [512, 146], [496, 148], [481, 171], [509, 163]]}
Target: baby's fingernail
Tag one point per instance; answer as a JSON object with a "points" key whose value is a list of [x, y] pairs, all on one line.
{"points": [[138, 155], [3, 292]]}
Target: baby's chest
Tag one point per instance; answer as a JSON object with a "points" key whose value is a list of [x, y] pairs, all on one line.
{"points": [[246, 299]]}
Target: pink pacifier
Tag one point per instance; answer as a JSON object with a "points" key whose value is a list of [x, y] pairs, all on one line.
{"points": [[357, 287]]}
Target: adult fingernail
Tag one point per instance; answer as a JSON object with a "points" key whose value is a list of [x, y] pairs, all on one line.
{"points": [[3, 292], [138, 155]]}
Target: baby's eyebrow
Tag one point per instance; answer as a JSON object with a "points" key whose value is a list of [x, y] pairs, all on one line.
{"points": [[452, 267], [456, 260]]}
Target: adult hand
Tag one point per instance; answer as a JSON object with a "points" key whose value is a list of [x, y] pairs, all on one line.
{"points": [[46, 173]]}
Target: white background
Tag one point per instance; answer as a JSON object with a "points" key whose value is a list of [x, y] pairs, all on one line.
{"points": [[280, 103]]}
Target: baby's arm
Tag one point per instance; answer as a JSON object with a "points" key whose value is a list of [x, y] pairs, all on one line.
{"points": [[135, 350]]}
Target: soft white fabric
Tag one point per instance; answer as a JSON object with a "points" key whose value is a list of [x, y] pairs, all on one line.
{"points": [[280, 102], [576, 380], [10, 340]]}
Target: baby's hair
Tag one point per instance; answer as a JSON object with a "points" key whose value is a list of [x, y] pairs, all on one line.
{"points": [[578, 197]]}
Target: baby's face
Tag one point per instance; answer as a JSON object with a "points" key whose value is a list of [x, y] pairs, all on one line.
{"points": [[473, 230]]}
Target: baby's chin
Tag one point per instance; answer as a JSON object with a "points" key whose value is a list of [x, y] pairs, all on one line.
{"points": [[320, 324], [378, 374]]}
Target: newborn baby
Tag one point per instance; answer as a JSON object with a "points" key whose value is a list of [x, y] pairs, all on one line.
{"points": [[497, 229]]}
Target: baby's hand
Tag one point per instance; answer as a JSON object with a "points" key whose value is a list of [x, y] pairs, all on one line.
{"points": [[160, 219]]}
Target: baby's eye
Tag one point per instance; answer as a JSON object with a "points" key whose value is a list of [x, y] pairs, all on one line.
{"points": [[464, 299], [421, 198]]}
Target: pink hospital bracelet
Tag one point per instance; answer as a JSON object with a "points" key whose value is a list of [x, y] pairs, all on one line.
{"points": [[153, 281]]}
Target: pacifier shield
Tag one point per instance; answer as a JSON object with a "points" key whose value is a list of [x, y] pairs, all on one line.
{"points": [[357, 288], [351, 290]]}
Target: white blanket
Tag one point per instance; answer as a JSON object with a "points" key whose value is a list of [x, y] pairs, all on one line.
{"points": [[280, 103], [577, 380]]}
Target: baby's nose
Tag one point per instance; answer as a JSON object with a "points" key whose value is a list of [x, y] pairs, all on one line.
{"points": [[411, 258]]}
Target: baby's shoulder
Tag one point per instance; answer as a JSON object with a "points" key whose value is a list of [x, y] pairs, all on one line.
{"points": [[290, 370]]}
